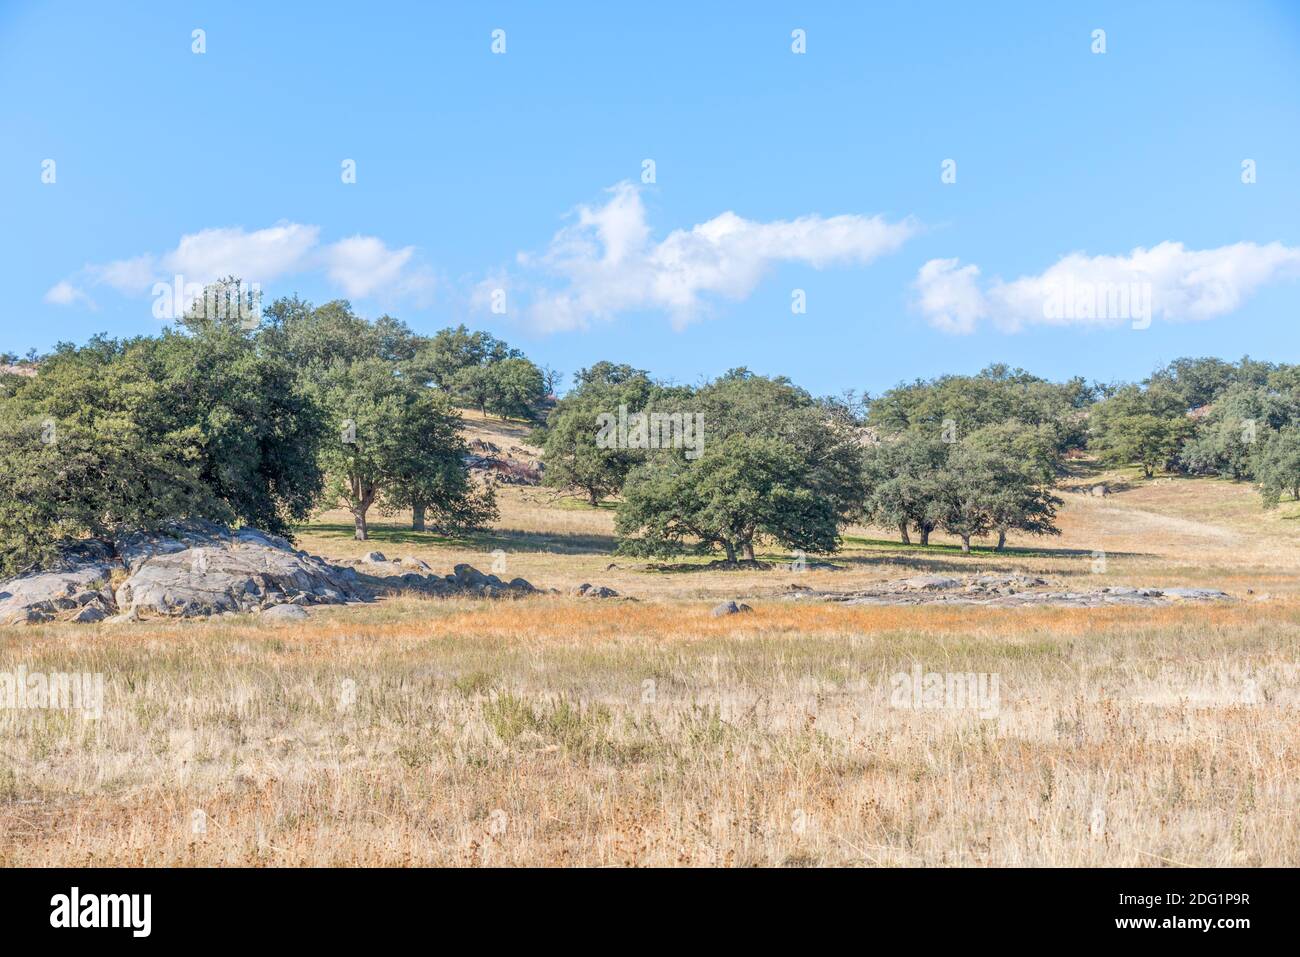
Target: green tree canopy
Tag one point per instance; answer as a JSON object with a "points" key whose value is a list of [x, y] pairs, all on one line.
{"points": [[983, 491], [901, 474], [393, 440], [775, 465], [200, 421], [517, 388], [572, 459], [996, 396], [1139, 426], [1277, 468]]}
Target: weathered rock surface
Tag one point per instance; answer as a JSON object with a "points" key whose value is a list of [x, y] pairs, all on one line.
{"points": [[285, 613], [730, 608], [513, 466], [587, 590], [44, 596], [927, 583], [200, 568], [396, 577], [205, 569], [1002, 591]]}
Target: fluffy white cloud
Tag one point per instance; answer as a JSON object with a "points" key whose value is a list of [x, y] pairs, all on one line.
{"points": [[950, 295], [259, 256], [610, 265], [128, 276], [65, 294], [1167, 281], [360, 266]]}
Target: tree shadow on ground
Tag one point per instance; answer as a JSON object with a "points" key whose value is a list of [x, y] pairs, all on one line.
{"points": [[1010, 551], [510, 540], [949, 558]]}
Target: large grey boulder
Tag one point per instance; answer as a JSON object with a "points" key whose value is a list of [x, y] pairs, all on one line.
{"points": [[730, 608], [241, 574], [89, 614], [467, 576], [282, 613]]}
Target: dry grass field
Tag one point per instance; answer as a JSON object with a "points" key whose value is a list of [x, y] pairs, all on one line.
{"points": [[558, 731]]}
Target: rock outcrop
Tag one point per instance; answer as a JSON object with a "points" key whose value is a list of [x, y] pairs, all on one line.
{"points": [[1004, 591], [588, 590], [77, 588], [200, 569], [513, 466]]}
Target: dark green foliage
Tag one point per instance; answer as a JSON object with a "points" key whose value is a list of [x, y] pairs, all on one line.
{"points": [[573, 461], [1139, 426], [775, 465], [394, 442], [1278, 466], [196, 422]]}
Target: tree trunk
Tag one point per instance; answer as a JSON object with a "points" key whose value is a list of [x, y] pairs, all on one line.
{"points": [[731, 551], [902, 530], [1002, 539], [965, 544], [360, 515], [417, 518], [747, 551], [592, 498], [925, 534]]}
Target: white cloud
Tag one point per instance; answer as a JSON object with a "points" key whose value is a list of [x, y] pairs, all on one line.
{"points": [[1167, 281], [126, 275], [65, 293], [359, 266], [611, 266], [260, 256], [950, 295]]}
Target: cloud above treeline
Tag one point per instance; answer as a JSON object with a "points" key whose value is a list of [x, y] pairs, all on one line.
{"points": [[358, 266], [1168, 281], [606, 264]]}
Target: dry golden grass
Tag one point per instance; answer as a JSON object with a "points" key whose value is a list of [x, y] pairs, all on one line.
{"points": [[555, 731]]}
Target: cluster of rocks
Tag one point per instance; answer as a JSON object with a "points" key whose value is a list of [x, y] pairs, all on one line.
{"points": [[415, 574], [200, 569], [588, 590], [1002, 590], [514, 466]]}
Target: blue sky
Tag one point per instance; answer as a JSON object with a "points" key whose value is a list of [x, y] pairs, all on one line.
{"points": [[774, 171]]}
